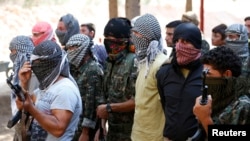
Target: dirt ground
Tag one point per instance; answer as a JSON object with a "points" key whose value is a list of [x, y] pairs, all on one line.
{"points": [[6, 134]]}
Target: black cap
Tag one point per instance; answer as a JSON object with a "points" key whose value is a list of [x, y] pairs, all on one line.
{"points": [[118, 28], [189, 32]]}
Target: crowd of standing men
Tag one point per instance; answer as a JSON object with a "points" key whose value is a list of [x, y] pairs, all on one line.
{"points": [[129, 88]]}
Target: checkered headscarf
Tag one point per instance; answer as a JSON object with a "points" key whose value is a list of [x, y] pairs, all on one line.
{"points": [[24, 47], [52, 63], [150, 44], [46, 30], [83, 44]]}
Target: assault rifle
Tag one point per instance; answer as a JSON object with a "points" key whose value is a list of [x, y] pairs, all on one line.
{"points": [[204, 88], [17, 90]]}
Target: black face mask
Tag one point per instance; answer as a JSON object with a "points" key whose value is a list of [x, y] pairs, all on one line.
{"points": [[42, 69], [222, 91], [115, 46]]}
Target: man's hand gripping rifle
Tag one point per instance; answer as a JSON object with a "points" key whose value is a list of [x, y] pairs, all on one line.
{"points": [[17, 90], [204, 87]]}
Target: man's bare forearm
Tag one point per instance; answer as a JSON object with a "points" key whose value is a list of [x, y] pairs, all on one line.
{"points": [[49, 122]]}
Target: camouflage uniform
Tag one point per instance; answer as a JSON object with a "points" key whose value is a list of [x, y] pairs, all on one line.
{"points": [[240, 47], [119, 86], [205, 47], [89, 78], [245, 71], [238, 112], [235, 106]]}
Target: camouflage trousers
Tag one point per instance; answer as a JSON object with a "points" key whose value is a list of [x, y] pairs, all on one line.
{"points": [[118, 137], [119, 132]]}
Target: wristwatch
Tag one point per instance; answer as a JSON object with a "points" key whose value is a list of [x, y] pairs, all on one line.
{"points": [[108, 108]]}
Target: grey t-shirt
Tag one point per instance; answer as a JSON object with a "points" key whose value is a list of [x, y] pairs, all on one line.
{"points": [[61, 95]]}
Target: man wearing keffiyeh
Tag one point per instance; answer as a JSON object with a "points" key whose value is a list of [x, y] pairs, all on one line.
{"points": [[179, 83], [146, 36], [42, 31], [237, 40], [88, 74], [21, 48], [58, 104]]}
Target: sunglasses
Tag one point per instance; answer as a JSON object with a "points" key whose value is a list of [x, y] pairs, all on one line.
{"points": [[115, 45], [118, 41]]}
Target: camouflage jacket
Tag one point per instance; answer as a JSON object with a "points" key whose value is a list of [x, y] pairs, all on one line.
{"points": [[237, 112], [245, 72], [205, 47], [89, 78], [119, 86]]}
